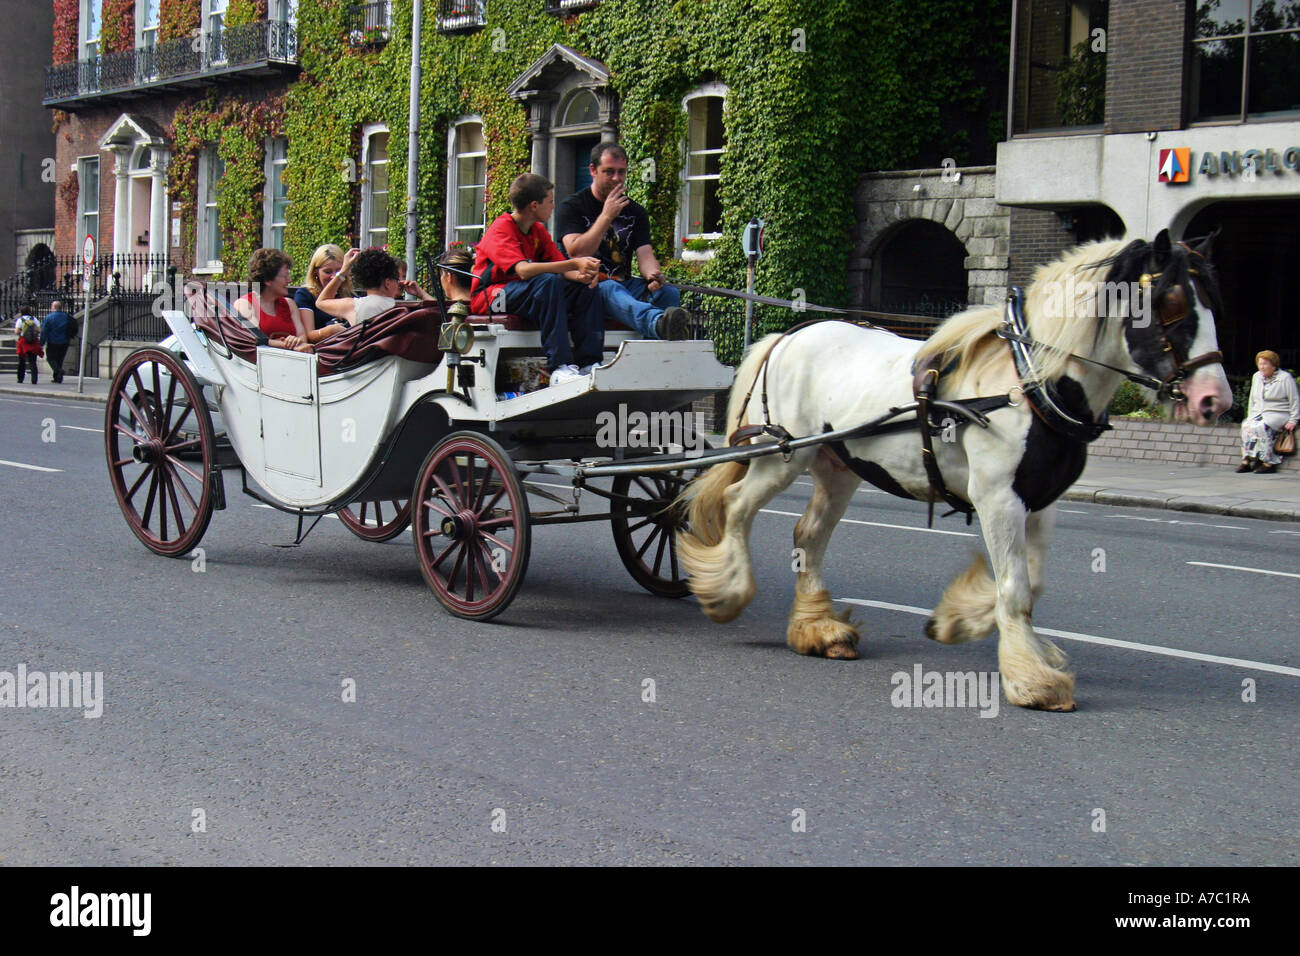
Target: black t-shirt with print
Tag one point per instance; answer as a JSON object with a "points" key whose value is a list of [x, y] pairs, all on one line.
{"points": [[630, 231]]}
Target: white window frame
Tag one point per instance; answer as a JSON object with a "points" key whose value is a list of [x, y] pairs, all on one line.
{"points": [[269, 222], [82, 193], [684, 226], [215, 10], [85, 40], [208, 215], [454, 185], [286, 11], [368, 133], [146, 37]]}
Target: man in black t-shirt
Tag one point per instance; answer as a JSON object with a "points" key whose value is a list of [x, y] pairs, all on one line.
{"points": [[603, 222]]}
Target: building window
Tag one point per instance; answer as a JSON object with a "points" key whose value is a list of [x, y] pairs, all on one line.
{"points": [[467, 181], [1060, 64], [93, 20], [569, 7], [146, 18], [211, 169], [1245, 59], [705, 144], [374, 188], [87, 200], [216, 30], [275, 211], [370, 24]]}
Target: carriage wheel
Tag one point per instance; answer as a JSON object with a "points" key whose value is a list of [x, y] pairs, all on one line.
{"points": [[645, 530], [470, 524], [166, 502], [376, 520]]}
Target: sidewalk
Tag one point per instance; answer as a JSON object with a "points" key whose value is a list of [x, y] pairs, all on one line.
{"points": [[1213, 489]]}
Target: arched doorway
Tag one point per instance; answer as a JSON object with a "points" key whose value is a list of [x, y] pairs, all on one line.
{"points": [[40, 268], [919, 269], [1255, 252]]}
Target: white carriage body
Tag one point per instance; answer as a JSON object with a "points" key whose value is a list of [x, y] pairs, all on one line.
{"points": [[311, 441]]}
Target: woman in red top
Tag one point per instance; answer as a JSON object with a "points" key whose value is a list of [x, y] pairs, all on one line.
{"points": [[270, 306]]}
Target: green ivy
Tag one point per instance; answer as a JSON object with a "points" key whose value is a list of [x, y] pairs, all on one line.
{"points": [[117, 26], [178, 18]]}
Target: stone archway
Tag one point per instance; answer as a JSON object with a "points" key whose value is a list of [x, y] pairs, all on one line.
{"points": [[959, 200]]}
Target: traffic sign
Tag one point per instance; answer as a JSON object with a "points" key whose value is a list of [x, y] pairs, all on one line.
{"points": [[88, 251], [752, 242]]}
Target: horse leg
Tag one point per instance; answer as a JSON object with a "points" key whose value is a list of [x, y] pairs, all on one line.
{"points": [[814, 627], [1033, 668], [721, 574], [966, 612]]}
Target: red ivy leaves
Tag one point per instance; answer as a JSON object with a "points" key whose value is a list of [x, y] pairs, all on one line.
{"points": [[118, 30], [66, 13], [178, 18]]}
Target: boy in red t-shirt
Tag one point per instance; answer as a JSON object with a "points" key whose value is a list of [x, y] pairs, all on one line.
{"points": [[517, 268]]}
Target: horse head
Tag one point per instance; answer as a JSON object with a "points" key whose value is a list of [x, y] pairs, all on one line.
{"points": [[1169, 329]]}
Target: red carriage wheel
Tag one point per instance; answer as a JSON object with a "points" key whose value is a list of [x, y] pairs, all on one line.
{"points": [[376, 520], [469, 519], [155, 406], [645, 523]]}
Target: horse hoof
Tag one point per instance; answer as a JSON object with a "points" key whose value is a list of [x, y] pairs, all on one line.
{"points": [[842, 652]]}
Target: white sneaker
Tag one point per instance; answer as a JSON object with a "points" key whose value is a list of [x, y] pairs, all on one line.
{"points": [[588, 369], [565, 373]]}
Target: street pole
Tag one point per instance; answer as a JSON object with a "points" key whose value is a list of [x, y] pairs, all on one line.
{"points": [[85, 331], [413, 141], [749, 303]]}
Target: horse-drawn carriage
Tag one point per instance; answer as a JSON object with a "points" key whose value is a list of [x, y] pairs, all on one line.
{"points": [[391, 424], [383, 417]]}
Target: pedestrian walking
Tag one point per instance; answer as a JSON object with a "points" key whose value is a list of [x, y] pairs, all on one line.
{"points": [[58, 329], [28, 331]]}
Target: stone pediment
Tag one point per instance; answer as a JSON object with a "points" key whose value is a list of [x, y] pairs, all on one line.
{"points": [[128, 130], [550, 70]]}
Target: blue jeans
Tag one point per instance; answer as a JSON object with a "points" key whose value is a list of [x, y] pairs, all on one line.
{"points": [[622, 301], [561, 308]]}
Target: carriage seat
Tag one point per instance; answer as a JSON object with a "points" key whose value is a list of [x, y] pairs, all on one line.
{"points": [[408, 330], [518, 323]]}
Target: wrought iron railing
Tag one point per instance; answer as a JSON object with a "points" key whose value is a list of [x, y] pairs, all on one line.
{"points": [[461, 16], [249, 45], [566, 7], [370, 24]]}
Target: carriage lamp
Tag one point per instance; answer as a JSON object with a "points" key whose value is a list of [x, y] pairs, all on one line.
{"points": [[456, 338]]}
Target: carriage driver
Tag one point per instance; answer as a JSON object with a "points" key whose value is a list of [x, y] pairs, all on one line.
{"points": [[603, 222]]}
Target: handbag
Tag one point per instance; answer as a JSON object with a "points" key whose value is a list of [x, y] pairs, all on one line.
{"points": [[1285, 444]]}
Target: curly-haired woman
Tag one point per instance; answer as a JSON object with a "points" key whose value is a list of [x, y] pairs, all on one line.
{"points": [[271, 308], [1274, 406]]}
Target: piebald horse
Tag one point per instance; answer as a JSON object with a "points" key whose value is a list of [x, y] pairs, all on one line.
{"points": [[1103, 312]]}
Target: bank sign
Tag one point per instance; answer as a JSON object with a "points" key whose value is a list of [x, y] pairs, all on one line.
{"points": [[1176, 163]]}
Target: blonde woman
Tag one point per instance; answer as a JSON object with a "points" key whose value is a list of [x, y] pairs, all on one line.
{"points": [[1274, 407], [326, 262]]}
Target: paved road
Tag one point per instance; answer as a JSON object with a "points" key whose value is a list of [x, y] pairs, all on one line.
{"points": [[222, 692]]}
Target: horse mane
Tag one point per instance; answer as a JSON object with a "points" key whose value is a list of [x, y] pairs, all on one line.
{"points": [[1060, 318]]}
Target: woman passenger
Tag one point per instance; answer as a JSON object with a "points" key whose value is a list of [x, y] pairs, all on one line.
{"points": [[378, 273], [271, 308], [325, 263]]}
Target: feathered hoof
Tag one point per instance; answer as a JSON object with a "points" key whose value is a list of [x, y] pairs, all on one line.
{"points": [[721, 611], [827, 634], [1055, 692], [950, 629]]}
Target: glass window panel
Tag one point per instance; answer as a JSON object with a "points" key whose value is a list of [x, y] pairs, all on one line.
{"points": [[703, 206], [90, 186], [94, 17], [705, 164], [469, 206], [583, 108], [379, 176], [1275, 73], [150, 14], [1275, 14], [1217, 18], [470, 171], [470, 136], [1216, 78]]}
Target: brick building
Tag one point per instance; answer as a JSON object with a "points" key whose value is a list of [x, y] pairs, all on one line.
{"points": [[1134, 116]]}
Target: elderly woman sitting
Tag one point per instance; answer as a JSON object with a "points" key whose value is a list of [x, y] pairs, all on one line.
{"points": [[270, 308], [1274, 406], [379, 274]]}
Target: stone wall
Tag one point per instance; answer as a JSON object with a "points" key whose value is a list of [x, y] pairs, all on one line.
{"points": [[1145, 439]]}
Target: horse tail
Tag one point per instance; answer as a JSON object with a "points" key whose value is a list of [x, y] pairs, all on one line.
{"points": [[705, 497]]}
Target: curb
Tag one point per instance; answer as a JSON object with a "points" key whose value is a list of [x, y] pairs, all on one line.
{"points": [[1228, 507], [37, 392]]}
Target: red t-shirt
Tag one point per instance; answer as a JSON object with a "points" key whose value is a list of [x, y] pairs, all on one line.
{"points": [[502, 248], [277, 326]]}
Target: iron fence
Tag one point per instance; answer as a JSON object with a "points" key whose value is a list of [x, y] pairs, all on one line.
{"points": [[566, 7], [251, 44], [461, 16], [370, 24]]}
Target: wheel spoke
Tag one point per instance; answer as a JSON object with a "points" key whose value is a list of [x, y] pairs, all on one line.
{"points": [[136, 414], [497, 522], [162, 504], [171, 435], [651, 491], [489, 568], [157, 388], [650, 539], [185, 444], [445, 551], [659, 554], [432, 504], [639, 525], [176, 504], [177, 463], [447, 494], [166, 415], [139, 481], [672, 562], [498, 542], [176, 481], [455, 568], [454, 472], [491, 504], [148, 504]]}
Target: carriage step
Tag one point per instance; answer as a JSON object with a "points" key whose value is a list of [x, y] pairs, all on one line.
{"points": [[218, 490]]}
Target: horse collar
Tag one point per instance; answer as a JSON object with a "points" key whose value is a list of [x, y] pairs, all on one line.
{"points": [[1042, 396]]}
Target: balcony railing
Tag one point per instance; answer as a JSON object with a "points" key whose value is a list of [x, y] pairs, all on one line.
{"points": [[567, 7], [250, 46], [370, 24], [461, 16]]}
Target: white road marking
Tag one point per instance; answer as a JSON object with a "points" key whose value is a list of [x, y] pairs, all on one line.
{"points": [[82, 428], [1284, 532], [19, 464], [258, 504], [878, 524], [1195, 524], [1106, 641], [1237, 567], [862, 489], [1070, 511], [87, 406]]}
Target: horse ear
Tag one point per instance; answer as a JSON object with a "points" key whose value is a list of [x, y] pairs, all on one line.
{"points": [[1160, 248], [1206, 248]]}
